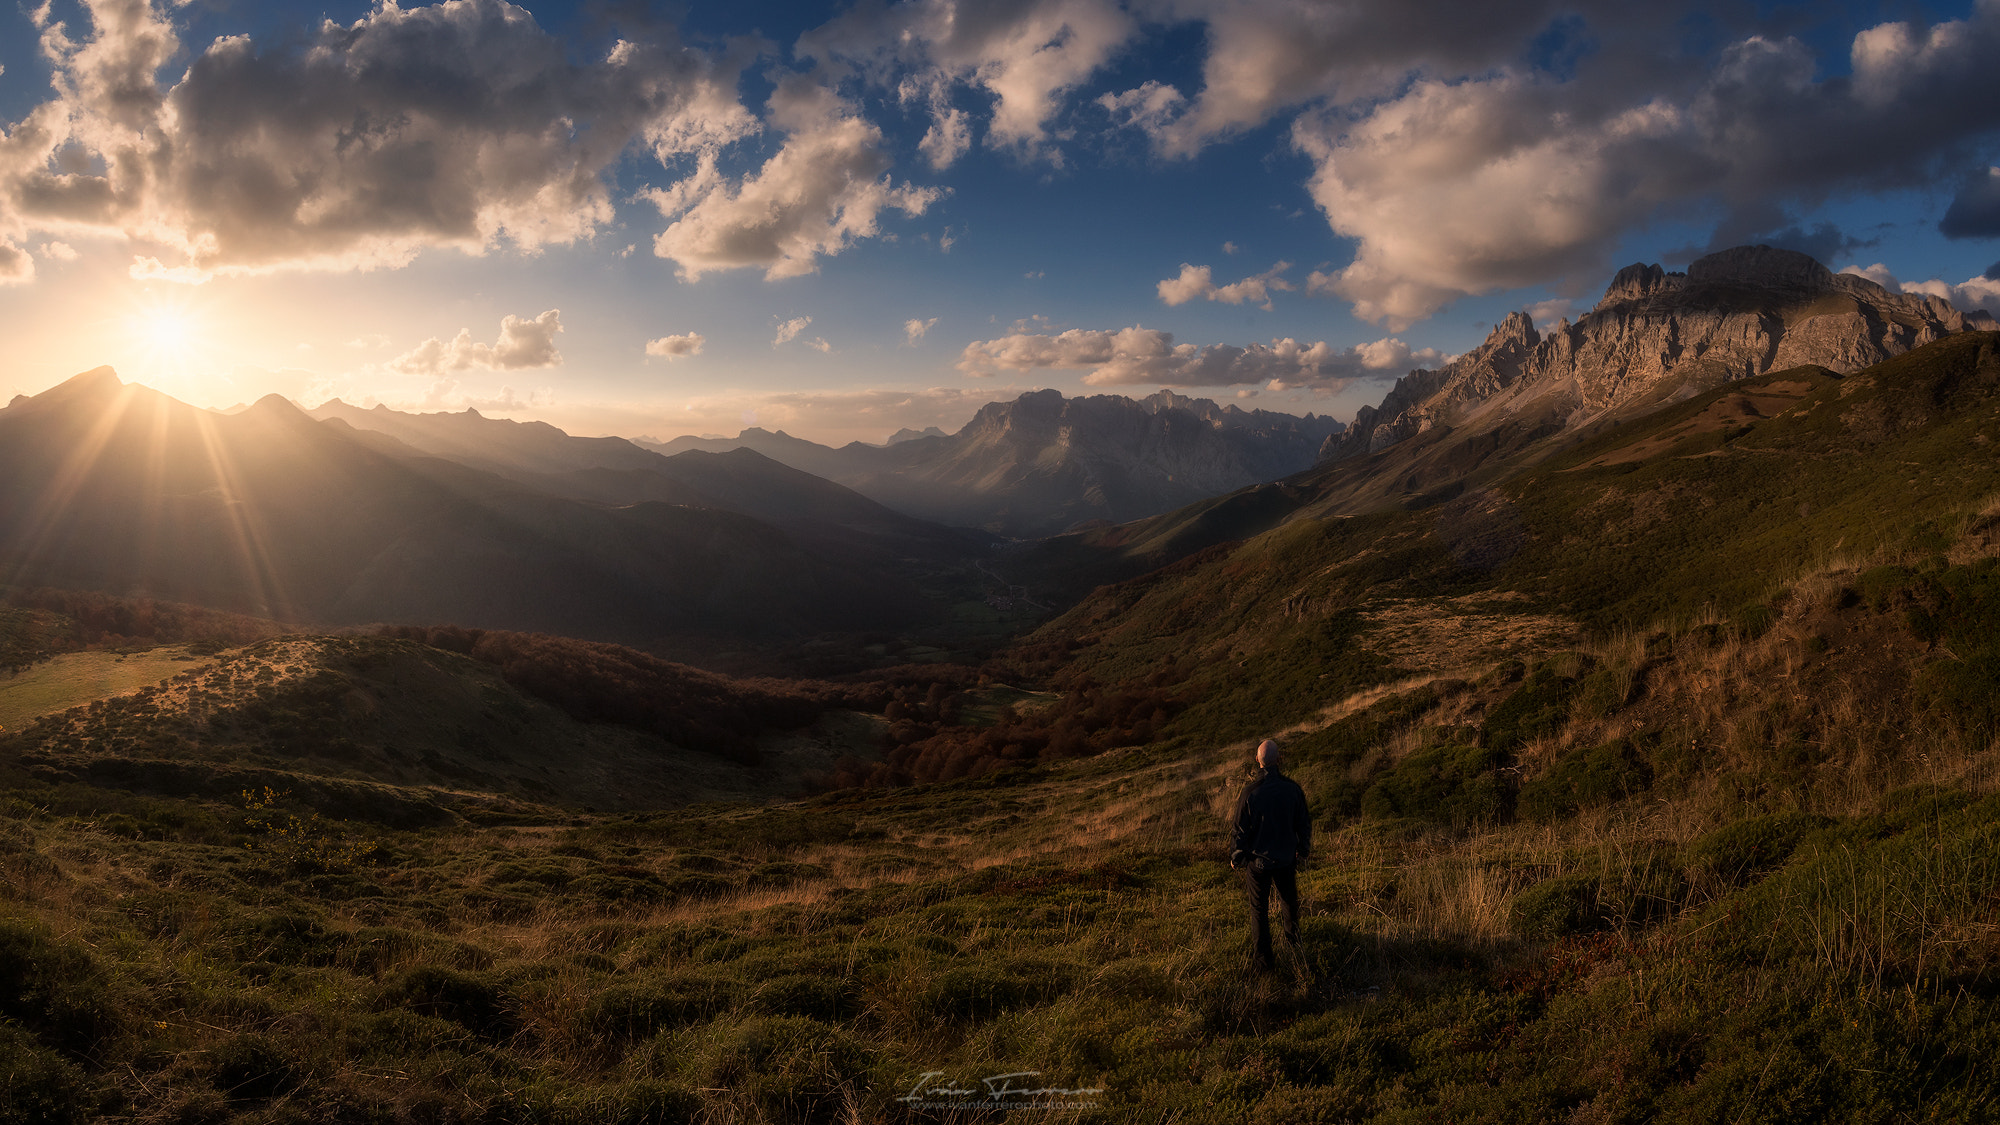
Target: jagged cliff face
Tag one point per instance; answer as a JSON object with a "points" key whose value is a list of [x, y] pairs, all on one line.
{"points": [[1656, 337]]}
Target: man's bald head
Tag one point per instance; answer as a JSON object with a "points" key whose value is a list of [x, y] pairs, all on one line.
{"points": [[1270, 755]]}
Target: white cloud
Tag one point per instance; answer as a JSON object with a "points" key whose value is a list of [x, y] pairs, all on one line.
{"points": [[914, 330], [1553, 310], [819, 344], [1974, 293], [148, 268], [676, 347], [15, 264], [1149, 355], [1230, 248], [948, 138], [1508, 178], [1199, 281], [824, 188], [459, 124], [522, 344], [789, 330], [60, 251], [1147, 107], [1026, 55]]}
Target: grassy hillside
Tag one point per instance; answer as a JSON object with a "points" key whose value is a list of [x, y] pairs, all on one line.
{"points": [[1710, 839], [79, 678]]}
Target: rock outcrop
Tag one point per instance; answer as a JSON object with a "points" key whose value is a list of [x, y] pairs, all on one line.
{"points": [[1657, 336]]}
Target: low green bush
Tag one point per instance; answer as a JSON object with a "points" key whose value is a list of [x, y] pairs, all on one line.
{"points": [[38, 1086], [626, 1013], [473, 1001], [1455, 785], [1585, 779], [789, 1068], [55, 988], [823, 997], [251, 1065], [1557, 907], [1738, 853], [642, 1102]]}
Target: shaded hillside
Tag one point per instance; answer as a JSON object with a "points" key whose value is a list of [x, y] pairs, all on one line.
{"points": [[616, 472], [395, 731], [1705, 871], [1657, 783], [117, 488], [1043, 462]]}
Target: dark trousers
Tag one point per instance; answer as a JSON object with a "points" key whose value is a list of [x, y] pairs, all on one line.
{"points": [[1257, 887]]}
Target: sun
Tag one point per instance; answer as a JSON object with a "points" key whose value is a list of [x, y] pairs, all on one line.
{"points": [[166, 332], [169, 344]]}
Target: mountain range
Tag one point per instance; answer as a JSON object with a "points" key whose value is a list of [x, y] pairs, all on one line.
{"points": [[115, 487], [1522, 396], [1044, 463]]}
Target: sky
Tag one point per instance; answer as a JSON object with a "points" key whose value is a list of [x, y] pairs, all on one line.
{"points": [[653, 219]]}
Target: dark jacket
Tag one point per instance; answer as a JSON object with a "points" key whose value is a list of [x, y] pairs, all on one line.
{"points": [[1272, 823]]}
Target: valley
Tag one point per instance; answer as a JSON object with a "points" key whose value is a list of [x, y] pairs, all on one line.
{"points": [[1654, 778]]}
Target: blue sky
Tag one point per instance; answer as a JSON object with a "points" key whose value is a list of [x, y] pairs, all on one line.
{"points": [[844, 219]]}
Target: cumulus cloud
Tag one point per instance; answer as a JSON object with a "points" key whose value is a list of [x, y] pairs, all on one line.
{"points": [[1147, 107], [1149, 355], [460, 124], [16, 266], [1975, 211], [1554, 309], [522, 344], [914, 330], [1982, 292], [60, 251], [676, 347], [1025, 55], [1197, 281], [824, 188], [1265, 57], [1510, 178], [789, 330]]}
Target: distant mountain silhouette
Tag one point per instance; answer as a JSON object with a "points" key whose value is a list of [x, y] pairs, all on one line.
{"points": [[615, 471], [1043, 463], [116, 487]]}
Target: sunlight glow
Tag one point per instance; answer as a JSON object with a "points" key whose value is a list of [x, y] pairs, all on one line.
{"points": [[171, 342], [167, 331]]}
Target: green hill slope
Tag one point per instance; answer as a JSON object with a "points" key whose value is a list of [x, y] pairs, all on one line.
{"points": [[1659, 784]]}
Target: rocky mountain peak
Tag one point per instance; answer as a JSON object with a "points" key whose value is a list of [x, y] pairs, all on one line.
{"points": [[1637, 282], [1656, 335]]}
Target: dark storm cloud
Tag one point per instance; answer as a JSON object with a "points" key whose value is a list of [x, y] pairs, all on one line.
{"points": [[1975, 212]]}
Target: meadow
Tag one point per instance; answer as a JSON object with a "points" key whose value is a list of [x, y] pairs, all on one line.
{"points": [[1715, 842]]}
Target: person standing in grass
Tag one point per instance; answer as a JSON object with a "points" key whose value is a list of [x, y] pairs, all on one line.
{"points": [[1270, 833]]}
